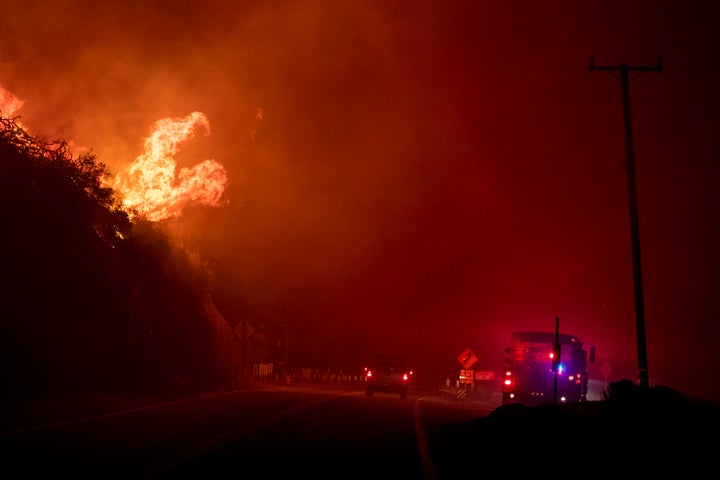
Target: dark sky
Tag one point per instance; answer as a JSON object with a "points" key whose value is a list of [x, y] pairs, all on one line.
{"points": [[429, 175]]}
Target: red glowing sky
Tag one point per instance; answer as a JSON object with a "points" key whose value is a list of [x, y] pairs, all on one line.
{"points": [[449, 170]]}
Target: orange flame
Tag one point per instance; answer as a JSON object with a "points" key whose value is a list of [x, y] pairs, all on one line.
{"points": [[150, 189], [9, 103]]}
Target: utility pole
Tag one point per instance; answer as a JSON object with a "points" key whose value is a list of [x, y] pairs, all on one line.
{"points": [[624, 70], [556, 359]]}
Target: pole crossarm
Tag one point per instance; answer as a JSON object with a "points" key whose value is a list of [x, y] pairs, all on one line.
{"points": [[626, 67]]}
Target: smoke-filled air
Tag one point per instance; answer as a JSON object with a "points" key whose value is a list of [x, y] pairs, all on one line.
{"points": [[349, 178]]}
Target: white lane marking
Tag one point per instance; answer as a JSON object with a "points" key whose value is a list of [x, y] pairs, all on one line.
{"points": [[428, 466]]}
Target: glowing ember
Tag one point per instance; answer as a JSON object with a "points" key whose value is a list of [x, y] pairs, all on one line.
{"points": [[150, 188]]}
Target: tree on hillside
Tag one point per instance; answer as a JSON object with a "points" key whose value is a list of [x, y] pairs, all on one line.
{"points": [[92, 301]]}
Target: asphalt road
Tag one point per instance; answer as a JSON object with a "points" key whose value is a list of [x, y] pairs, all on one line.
{"points": [[319, 431], [327, 431]]}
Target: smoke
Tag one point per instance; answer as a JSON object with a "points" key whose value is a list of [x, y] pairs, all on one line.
{"points": [[436, 174], [370, 182]]}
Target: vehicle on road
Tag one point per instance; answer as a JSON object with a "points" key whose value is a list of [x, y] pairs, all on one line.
{"points": [[387, 374], [546, 367]]}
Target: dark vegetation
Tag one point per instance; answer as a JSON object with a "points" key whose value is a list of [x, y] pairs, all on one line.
{"points": [[92, 302], [632, 430]]}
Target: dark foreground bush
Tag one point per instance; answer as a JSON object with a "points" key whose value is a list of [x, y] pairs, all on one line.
{"points": [[633, 429]]}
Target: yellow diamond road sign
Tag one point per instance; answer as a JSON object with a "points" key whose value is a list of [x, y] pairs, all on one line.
{"points": [[243, 329], [467, 359]]}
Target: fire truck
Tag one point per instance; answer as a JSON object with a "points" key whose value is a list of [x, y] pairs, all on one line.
{"points": [[545, 367]]}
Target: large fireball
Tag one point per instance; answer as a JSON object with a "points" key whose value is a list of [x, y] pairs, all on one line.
{"points": [[152, 190]]}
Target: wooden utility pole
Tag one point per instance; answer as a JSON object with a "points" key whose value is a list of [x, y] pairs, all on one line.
{"points": [[556, 359], [624, 70]]}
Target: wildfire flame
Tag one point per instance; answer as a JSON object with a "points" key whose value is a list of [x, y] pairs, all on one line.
{"points": [[150, 188], [9, 103]]}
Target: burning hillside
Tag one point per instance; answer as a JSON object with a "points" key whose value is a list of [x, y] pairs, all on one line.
{"points": [[151, 188]]}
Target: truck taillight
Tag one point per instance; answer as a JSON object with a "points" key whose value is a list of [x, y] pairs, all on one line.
{"points": [[508, 380]]}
